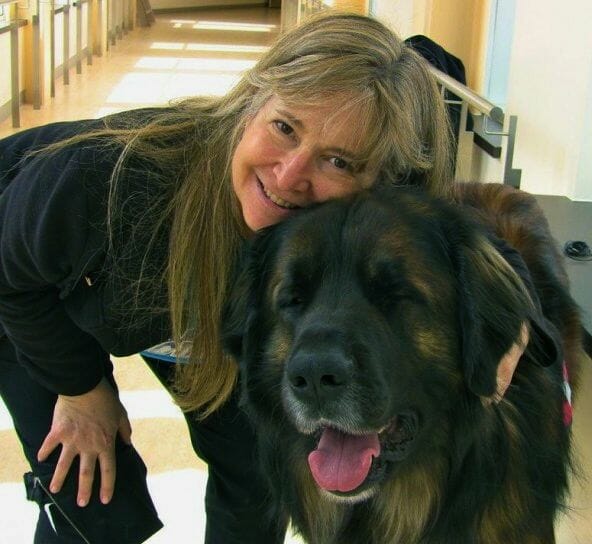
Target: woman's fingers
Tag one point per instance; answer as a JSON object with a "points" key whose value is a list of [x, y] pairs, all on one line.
{"points": [[50, 443], [62, 468], [86, 475], [86, 472], [125, 429], [108, 473]]}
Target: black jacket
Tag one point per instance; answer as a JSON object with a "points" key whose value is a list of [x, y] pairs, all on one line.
{"points": [[446, 62], [60, 303]]}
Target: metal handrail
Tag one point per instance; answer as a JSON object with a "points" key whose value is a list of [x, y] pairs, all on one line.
{"points": [[468, 98], [12, 25], [467, 95], [64, 8]]}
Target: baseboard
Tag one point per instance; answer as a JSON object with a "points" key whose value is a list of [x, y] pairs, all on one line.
{"points": [[59, 70], [6, 108]]}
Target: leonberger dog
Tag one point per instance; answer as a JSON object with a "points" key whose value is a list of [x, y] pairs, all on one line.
{"points": [[368, 331]]}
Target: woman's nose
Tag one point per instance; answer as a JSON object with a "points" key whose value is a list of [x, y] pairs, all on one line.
{"points": [[294, 171]]}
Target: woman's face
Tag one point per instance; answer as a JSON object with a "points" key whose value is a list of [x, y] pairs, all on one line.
{"points": [[290, 157]]}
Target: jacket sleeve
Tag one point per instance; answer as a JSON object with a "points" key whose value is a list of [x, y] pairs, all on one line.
{"points": [[47, 231]]}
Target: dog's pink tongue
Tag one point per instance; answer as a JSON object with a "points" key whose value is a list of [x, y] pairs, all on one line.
{"points": [[341, 461]]}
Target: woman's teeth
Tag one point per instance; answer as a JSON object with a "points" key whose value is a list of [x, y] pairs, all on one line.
{"points": [[277, 200]]}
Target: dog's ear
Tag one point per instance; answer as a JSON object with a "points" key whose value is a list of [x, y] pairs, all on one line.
{"points": [[493, 305], [545, 346]]}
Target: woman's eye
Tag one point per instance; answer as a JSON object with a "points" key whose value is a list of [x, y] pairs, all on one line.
{"points": [[340, 163], [284, 127]]}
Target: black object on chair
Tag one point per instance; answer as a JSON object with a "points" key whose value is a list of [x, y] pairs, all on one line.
{"points": [[452, 66]]}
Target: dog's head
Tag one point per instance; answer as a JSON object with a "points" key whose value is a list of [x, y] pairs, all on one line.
{"points": [[362, 325]]}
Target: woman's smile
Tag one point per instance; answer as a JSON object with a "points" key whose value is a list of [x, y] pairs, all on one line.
{"points": [[278, 201]]}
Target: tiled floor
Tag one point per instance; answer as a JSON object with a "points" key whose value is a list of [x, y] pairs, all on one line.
{"points": [[193, 53]]}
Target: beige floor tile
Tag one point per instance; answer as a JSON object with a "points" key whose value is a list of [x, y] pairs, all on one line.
{"points": [[13, 464]]}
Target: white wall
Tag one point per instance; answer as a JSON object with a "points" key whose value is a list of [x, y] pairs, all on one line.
{"points": [[549, 89], [583, 183], [5, 85], [405, 17], [5, 70]]}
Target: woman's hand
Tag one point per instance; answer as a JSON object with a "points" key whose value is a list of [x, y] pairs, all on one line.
{"points": [[87, 426], [508, 363]]}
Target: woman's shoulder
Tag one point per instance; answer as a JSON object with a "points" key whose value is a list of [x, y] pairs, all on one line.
{"points": [[36, 138], [139, 117], [13, 148], [89, 138]]}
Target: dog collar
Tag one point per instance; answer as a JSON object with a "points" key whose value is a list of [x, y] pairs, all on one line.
{"points": [[567, 407]]}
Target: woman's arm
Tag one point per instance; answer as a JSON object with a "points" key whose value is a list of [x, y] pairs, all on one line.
{"points": [[45, 228], [44, 234]]}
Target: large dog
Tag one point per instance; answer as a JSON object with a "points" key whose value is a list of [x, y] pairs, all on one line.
{"points": [[368, 332]]}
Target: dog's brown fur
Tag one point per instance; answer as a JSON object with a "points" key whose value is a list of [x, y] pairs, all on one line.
{"points": [[418, 295], [518, 219]]}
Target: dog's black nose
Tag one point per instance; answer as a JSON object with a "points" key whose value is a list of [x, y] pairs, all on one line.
{"points": [[319, 376]]}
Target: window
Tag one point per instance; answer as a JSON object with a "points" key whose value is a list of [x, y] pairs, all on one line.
{"points": [[499, 47], [4, 18]]}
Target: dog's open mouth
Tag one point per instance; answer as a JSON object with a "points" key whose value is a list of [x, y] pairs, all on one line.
{"points": [[342, 462]]}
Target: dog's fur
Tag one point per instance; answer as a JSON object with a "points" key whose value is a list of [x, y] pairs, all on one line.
{"points": [[385, 315]]}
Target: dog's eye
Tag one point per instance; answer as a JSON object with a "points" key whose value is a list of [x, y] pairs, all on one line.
{"points": [[289, 299], [388, 290], [386, 286], [291, 302]]}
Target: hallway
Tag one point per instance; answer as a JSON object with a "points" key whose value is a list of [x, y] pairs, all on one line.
{"points": [[182, 54]]}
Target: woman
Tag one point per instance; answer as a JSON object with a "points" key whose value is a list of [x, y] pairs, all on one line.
{"points": [[118, 233]]}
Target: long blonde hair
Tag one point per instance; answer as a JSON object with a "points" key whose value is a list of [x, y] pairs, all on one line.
{"points": [[402, 127]]}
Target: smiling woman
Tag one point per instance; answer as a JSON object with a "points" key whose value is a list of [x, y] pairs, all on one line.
{"points": [[120, 233]]}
